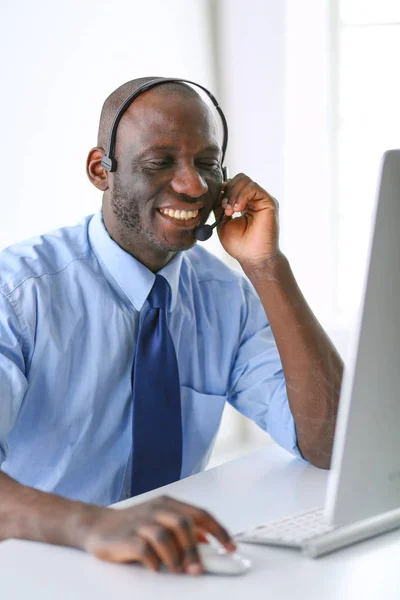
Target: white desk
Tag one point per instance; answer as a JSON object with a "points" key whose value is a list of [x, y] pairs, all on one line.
{"points": [[262, 485]]}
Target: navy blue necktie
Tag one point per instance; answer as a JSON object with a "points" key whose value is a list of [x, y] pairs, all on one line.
{"points": [[157, 422]]}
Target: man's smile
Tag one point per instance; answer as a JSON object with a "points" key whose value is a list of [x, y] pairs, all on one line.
{"points": [[181, 218], [179, 214]]}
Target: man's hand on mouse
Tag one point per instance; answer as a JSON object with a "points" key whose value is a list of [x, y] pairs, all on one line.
{"points": [[252, 237], [156, 532]]}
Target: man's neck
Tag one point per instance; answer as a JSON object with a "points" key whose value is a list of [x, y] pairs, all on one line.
{"points": [[152, 259]]}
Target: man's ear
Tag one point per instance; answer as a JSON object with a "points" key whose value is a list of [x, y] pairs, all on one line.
{"points": [[96, 173]]}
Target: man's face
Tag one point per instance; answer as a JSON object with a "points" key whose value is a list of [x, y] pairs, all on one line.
{"points": [[168, 162]]}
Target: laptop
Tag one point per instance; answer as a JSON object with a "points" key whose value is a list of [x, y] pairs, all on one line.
{"points": [[363, 492]]}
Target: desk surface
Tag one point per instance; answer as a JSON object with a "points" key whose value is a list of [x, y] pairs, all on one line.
{"points": [[262, 485]]}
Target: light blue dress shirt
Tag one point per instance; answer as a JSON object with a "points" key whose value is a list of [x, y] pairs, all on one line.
{"points": [[70, 306]]}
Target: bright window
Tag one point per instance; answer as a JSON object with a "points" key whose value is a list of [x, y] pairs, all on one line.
{"points": [[368, 119]]}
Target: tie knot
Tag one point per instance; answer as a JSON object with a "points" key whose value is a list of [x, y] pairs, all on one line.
{"points": [[159, 294]]}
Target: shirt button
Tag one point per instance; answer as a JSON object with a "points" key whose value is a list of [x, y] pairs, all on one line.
{"points": [[128, 494]]}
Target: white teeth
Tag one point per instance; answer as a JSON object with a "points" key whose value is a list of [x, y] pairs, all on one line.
{"points": [[183, 215]]}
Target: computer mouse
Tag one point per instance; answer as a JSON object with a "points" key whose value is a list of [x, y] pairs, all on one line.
{"points": [[220, 562]]}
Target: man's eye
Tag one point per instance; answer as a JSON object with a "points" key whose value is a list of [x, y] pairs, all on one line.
{"points": [[157, 164], [206, 164]]}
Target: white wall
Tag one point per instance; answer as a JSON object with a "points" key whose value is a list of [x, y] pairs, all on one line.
{"points": [[309, 216], [251, 83], [62, 60]]}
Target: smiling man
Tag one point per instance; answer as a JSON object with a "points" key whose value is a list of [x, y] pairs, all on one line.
{"points": [[87, 415]]}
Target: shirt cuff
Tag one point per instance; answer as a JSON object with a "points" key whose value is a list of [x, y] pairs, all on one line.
{"points": [[282, 427]]}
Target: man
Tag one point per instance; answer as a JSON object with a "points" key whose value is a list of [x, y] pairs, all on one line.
{"points": [[73, 308]]}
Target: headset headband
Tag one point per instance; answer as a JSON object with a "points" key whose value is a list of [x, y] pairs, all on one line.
{"points": [[109, 162]]}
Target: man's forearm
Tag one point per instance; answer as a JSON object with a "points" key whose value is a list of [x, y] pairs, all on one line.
{"points": [[313, 369], [26, 513], [154, 532]]}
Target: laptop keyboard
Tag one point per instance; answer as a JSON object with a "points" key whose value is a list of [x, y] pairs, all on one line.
{"points": [[288, 531]]}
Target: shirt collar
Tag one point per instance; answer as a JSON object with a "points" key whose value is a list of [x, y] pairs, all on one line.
{"points": [[130, 275]]}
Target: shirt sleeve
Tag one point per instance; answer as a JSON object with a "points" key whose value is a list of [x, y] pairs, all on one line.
{"points": [[257, 387], [13, 382]]}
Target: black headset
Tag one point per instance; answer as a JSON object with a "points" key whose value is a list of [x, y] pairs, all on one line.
{"points": [[108, 162]]}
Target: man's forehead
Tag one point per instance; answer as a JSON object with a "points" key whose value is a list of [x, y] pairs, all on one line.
{"points": [[154, 119], [212, 148], [164, 102]]}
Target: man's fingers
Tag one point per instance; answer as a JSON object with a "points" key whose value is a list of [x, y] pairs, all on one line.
{"points": [[200, 536], [162, 530], [241, 193], [204, 521], [207, 522], [183, 530], [232, 191], [164, 543]]}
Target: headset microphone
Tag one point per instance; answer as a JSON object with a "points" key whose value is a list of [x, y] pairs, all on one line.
{"points": [[109, 162], [204, 232]]}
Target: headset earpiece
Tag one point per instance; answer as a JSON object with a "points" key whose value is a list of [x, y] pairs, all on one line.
{"points": [[109, 164]]}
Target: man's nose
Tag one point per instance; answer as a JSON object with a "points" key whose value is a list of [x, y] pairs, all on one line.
{"points": [[189, 182]]}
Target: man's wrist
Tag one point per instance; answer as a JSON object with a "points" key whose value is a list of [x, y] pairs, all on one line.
{"points": [[265, 268], [79, 522]]}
